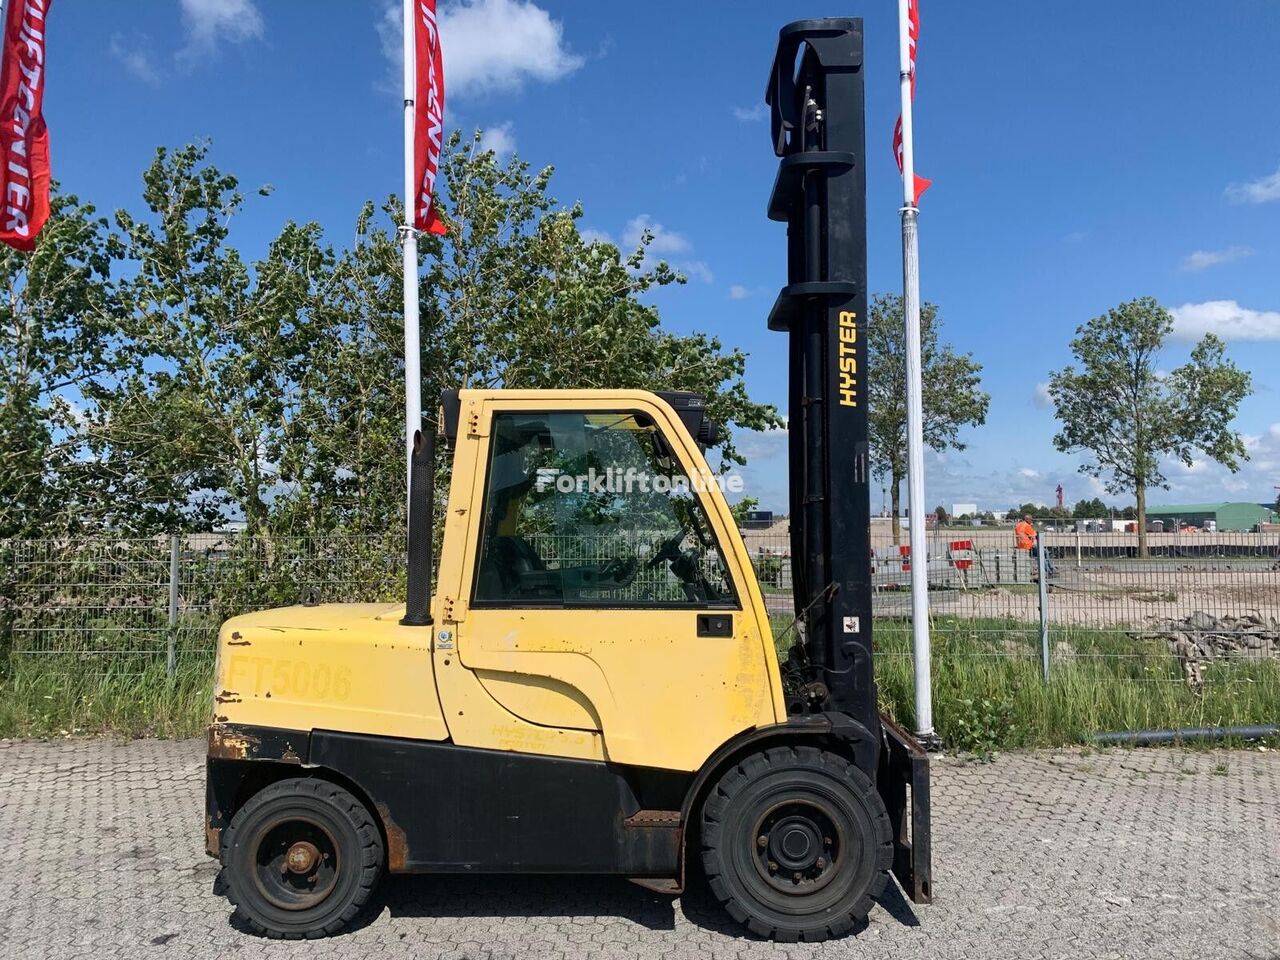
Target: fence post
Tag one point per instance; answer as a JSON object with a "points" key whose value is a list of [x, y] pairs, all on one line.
{"points": [[1077, 546], [171, 665], [1044, 610]]}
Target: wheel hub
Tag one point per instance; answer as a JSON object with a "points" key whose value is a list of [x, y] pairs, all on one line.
{"points": [[296, 864], [302, 857], [797, 845]]}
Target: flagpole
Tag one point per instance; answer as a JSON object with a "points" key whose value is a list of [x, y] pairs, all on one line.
{"points": [[409, 240], [915, 402]]}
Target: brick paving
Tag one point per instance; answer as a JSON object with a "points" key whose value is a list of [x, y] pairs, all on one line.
{"points": [[1120, 854]]}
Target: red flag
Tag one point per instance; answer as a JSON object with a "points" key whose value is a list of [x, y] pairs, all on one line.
{"points": [[913, 34], [428, 133], [24, 139]]}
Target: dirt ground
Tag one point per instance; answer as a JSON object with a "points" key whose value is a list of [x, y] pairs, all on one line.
{"points": [[1111, 597]]}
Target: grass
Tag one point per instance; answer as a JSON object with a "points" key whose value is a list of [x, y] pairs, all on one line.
{"points": [[988, 689], [48, 698], [989, 693]]}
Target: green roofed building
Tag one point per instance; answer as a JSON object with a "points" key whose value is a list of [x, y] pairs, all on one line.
{"points": [[1225, 516]]}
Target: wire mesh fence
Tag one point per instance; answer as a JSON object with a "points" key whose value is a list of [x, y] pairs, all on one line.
{"points": [[1196, 610], [120, 604]]}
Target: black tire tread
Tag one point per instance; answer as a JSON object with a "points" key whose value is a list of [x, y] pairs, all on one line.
{"points": [[734, 780], [371, 850]]}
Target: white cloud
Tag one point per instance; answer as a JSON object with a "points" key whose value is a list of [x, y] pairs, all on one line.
{"points": [[1041, 398], [210, 22], [488, 45], [1262, 190], [1201, 259], [698, 270], [1227, 319], [739, 292], [500, 139], [751, 114], [135, 53], [664, 240], [1029, 473], [665, 244]]}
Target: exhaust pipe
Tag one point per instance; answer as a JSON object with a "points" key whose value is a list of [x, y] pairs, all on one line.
{"points": [[422, 500]]}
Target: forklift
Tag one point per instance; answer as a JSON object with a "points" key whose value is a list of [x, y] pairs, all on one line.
{"points": [[593, 686]]}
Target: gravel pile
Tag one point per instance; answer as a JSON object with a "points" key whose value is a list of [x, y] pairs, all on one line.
{"points": [[1201, 638], [1209, 638]]}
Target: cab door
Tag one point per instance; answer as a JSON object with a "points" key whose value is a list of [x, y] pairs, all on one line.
{"points": [[608, 595]]}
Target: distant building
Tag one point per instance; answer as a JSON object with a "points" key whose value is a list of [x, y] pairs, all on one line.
{"points": [[772, 540], [757, 520], [963, 509], [1220, 516]]}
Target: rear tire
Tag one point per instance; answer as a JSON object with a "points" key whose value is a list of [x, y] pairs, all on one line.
{"points": [[302, 858], [796, 843]]}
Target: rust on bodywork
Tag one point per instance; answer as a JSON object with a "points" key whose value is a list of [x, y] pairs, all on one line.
{"points": [[397, 842], [212, 838], [227, 696], [237, 640], [231, 743]]}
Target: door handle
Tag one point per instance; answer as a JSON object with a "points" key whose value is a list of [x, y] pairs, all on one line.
{"points": [[715, 625]]}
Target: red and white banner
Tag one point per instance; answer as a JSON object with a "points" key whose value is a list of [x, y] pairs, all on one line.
{"points": [[428, 133], [913, 34], [24, 139]]}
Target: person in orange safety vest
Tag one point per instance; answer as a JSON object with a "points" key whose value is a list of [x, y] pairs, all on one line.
{"points": [[1026, 538], [1025, 534]]}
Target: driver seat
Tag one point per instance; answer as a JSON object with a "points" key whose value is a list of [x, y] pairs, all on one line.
{"points": [[505, 569]]}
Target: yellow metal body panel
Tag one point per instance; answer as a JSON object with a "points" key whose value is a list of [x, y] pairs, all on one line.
{"points": [[634, 686], [348, 667]]}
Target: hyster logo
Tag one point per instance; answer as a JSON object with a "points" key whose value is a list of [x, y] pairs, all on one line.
{"points": [[848, 359]]}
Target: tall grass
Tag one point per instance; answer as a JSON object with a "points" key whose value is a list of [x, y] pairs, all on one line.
{"points": [[43, 698], [988, 689]]}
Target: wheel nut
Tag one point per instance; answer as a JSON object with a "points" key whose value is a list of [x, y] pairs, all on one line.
{"points": [[826, 841], [773, 867], [820, 863], [762, 841], [796, 876]]}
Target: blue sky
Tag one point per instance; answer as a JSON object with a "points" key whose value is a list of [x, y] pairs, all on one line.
{"points": [[1082, 154]]}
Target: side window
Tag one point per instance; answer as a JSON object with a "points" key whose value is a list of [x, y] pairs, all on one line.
{"points": [[592, 509]]}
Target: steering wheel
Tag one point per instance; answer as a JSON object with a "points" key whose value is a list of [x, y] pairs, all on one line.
{"points": [[669, 550], [621, 570]]}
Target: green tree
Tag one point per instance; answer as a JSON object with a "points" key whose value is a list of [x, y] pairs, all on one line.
{"points": [[742, 508], [58, 353], [517, 291], [197, 431], [941, 513], [512, 297], [1118, 407], [273, 391], [1090, 509], [952, 399]]}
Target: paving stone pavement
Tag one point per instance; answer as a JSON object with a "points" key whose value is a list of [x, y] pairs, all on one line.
{"points": [[1122, 854]]}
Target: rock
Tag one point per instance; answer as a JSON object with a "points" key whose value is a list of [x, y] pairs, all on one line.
{"points": [[1202, 621]]}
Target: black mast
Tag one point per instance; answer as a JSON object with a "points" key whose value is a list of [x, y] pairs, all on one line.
{"points": [[820, 193]]}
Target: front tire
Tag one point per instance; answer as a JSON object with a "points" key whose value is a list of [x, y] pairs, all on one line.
{"points": [[302, 859], [796, 843]]}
